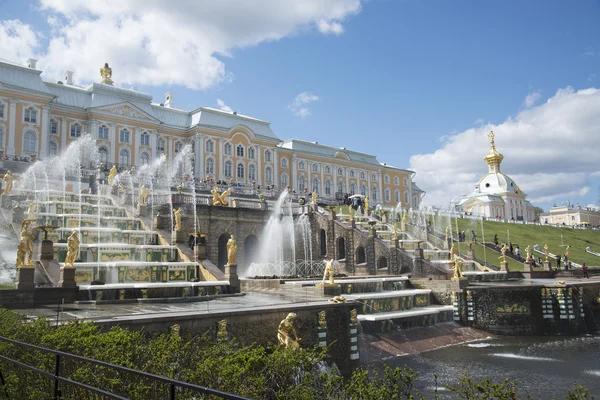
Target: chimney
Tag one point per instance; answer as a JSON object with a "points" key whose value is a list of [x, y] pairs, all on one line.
{"points": [[169, 99], [31, 63], [69, 77]]}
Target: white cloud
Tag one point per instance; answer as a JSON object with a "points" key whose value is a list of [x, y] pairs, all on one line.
{"points": [[531, 99], [478, 121], [550, 150], [223, 106], [160, 42], [298, 105]]}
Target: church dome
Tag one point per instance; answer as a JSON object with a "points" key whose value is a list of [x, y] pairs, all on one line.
{"points": [[493, 157], [496, 183]]}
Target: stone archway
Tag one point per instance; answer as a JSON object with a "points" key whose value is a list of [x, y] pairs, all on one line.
{"points": [[341, 247], [361, 257], [382, 263], [323, 242], [250, 250], [223, 251]]}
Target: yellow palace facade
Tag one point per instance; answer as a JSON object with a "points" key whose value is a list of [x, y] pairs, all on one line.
{"points": [[38, 119]]}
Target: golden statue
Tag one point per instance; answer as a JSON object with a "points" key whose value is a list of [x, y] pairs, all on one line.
{"points": [[143, 196], [395, 237], [175, 330], [354, 316], [32, 210], [231, 250], [220, 200], [328, 270], [177, 213], [457, 269], [453, 252], [261, 197], [25, 247], [503, 250], [286, 334], [8, 182], [337, 299], [222, 330], [366, 203], [106, 74], [491, 137], [567, 251], [314, 197], [112, 173], [546, 252], [179, 189], [528, 253], [223, 197], [352, 212], [322, 319], [403, 224], [215, 193], [72, 249]]}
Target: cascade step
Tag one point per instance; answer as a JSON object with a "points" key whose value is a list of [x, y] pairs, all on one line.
{"points": [[404, 314]]}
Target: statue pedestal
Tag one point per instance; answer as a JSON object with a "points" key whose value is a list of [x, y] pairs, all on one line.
{"points": [[263, 205], [526, 267], [547, 266], [462, 282], [329, 289], [160, 222], [24, 278], [471, 253], [200, 252], [418, 253], [46, 250], [232, 276], [142, 210], [503, 266], [67, 277], [178, 237]]}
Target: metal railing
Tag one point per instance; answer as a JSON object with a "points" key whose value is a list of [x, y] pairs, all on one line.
{"points": [[58, 379]]}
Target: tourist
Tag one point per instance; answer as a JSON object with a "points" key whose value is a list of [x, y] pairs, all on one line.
{"points": [[496, 240], [518, 253], [566, 262], [584, 268], [473, 236], [558, 262], [510, 248]]}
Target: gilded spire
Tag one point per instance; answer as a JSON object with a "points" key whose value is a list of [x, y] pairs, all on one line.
{"points": [[106, 74], [493, 158]]}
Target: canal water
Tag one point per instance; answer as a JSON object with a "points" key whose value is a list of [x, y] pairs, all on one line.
{"points": [[545, 367]]}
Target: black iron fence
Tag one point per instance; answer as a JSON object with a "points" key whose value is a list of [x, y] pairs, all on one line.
{"points": [[60, 385]]}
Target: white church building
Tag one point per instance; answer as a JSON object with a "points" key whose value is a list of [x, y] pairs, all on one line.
{"points": [[496, 195]]}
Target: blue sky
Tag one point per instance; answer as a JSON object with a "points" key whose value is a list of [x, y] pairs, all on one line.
{"points": [[417, 83]]}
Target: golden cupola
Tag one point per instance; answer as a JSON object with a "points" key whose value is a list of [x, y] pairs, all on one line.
{"points": [[493, 158]]}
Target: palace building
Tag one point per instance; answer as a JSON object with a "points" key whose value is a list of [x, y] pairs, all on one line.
{"points": [[496, 195], [38, 119]]}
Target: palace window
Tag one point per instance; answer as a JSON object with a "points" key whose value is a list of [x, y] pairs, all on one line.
{"points": [[374, 177], [239, 150], [75, 130], [301, 166], [406, 198], [363, 190], [315, 184], [396, 180], [328, 187], [284, 162], [210, 146], [340, 171], [352, 173], [268, 155], [387, 195], [340, 187], [315, 167], [145, 158], [52, 149], [124, 158], [363, 175], [228, 169], [124, 136], [103, 132], [103, 152], [160, 144], [53, 127], [397, 196], [30, 142], [240, 171], [374, 193], [31, 115], [228, 149], [145, 139], [284, 180], [210, 166], [251, 153], [1, 110], [352, 189], [178, 146], [386, 179], [268, 175], [301, 184], [405, 181], [252, 172], [327, 169]]}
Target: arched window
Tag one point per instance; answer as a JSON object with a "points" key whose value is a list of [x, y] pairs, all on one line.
{"points": [[228, 169], [363, 175], [53, 127], [374, 177], [103, 152], [239, 150], [340, 187], [145, 158], [328, 187], [363, 190], [2, 110], [396, 180], [268, 155], [178, 146], [301, 184], [251, 153], [124, 158], [301, 165], [75, 130], [386, 179], [268, 175], [406, 198], [327, 169], [405, 181], [30, 142], [397, 196], [251, 172], [284, 162], [240, 171], [124, 136], [315, 184], [352, 173], [284, 180], [228, 149], [315, 167], [1, 137], [387, 195], [193, 145], [145, 139], [30, 115], [52, 149], [374, 193], [210, 146], [340, 171], [210, 166], [352, 188], [160, 145], [103, 132]]}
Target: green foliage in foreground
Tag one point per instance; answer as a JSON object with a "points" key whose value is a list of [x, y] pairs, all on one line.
{"points": [[251, 371]]}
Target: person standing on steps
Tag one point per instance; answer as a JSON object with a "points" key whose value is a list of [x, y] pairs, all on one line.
{"points": [[584, 268]]}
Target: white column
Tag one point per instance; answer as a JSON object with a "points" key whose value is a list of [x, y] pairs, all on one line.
{"points": [[259, 170], [293, 166], [115, 142], [322, 169], [369, 185], [11, 126], [308, 166], [135, 147], [335, 184], [381, 199], [200, 156], [63, 134], [347, 181], [275, 167], [410, 203], [153, 141], [44, 132], [221, 146], [94, 128]]}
